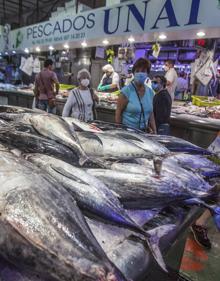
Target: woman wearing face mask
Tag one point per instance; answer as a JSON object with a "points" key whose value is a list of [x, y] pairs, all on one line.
{"points": [[162, 105], [81, 101], [135, 103]]}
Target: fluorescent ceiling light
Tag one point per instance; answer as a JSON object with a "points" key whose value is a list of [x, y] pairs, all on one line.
{"points": [[38, 49], [84, 44], [66, 46], [131, 39], [105, 42], [51, 48], [26, 50], [201, 34], [162, 36], [13, 52]]}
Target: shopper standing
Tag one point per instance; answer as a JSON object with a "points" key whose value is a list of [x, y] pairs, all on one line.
{"points": [[171, 76], [162, 105], [46, 88], [182, 86], [135, 103], [110, 80], [81, 101]]}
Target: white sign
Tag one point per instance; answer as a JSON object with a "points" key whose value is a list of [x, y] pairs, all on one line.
{"points": [[132, 17]]}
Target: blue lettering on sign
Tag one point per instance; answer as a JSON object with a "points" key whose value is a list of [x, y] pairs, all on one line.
{"points": [[35, 32], [57, 28], [67, 25], [194, 13], [40, 30], [81, 23], [137, 15], [45, 29], [106, 21], [90, 19], [29, 32], [170, 15]]}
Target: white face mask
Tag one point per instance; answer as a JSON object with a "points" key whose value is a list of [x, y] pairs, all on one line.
{"points": [[166, 68], [85, 82]]}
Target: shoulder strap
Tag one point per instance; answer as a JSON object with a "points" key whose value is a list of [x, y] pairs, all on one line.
{"points": [[142, 108], [93, 106]]}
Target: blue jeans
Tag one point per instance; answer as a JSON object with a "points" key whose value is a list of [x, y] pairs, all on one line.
{"points": [[164, 129], [43, 105]]}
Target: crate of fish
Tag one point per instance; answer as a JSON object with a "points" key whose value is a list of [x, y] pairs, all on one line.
{"points": [[205, 101]]}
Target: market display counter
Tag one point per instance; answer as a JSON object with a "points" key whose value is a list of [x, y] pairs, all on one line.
{"points": [[17, 98], [128, 252], [198, 130]]}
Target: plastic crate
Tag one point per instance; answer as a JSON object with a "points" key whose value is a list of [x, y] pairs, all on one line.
{"points": [[205, 101]]}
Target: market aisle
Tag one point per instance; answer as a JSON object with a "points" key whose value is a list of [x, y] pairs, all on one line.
{"points": [[200, 264]]}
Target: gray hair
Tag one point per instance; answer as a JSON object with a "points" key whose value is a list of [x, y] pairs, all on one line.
{"points": [[108, 68], [84, 70]]}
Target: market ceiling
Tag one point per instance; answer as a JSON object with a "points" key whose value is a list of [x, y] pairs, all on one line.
{"points": [[20, 13]]}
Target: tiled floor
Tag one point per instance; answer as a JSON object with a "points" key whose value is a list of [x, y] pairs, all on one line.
{"points": [[200, 264]]}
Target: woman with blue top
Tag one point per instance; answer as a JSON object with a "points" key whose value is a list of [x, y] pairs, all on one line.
{"points": [[135, 103]]}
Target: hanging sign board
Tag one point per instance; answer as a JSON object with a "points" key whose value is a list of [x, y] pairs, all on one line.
{"points": [[132, 17]]}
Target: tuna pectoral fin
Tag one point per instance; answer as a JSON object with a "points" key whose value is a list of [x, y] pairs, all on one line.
{"points": [[66, 174], [83, 160], [153, 242], [215, 211]]}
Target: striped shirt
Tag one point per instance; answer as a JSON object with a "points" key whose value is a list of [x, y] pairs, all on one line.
{"points": [[79, 105]]}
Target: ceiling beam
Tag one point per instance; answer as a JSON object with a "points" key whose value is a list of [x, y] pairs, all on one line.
{"points": [[93, 3]]}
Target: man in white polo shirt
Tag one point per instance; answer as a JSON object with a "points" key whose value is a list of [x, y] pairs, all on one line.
{"points": [[171, 76]]}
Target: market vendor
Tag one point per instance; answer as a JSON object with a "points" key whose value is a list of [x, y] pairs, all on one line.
{"points": [[81, 101], [110, 80], [135, 103]]}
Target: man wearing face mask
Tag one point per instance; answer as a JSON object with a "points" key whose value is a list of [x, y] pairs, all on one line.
{"points": [[135, 103], [110, 80], [172, 77], [81, 101], [162, 105]]}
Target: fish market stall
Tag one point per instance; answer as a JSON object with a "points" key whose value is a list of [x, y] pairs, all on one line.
{"points": [[77, 208]]}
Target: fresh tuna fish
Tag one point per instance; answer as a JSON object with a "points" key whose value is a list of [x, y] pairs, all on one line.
{"points": [[191, 181], [178, 145], [91, 194], [15, 109], [42, 229], [153, 147], [49, 126], [109, 147], [142, 188], [29, 143], [55, 128], [78, 125], [195, 163], [144, 191]]}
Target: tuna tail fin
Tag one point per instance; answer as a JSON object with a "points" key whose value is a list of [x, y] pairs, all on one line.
{"points": [[153, 242], [215, 210]]}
